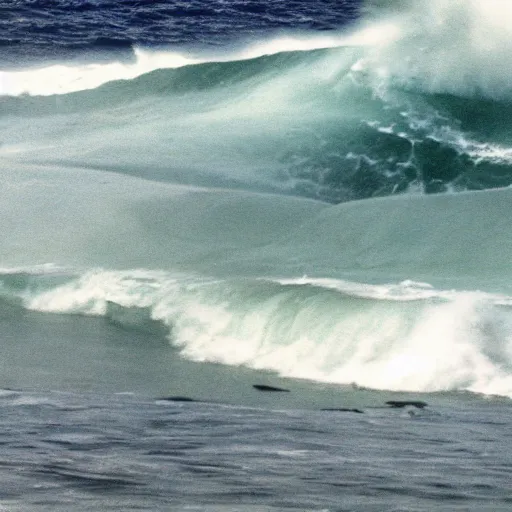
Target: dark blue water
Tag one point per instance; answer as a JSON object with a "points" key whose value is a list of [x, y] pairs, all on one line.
{"points": [[35, 31], [66, 452]]}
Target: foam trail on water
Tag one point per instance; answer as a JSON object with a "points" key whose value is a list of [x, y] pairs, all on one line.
{"points": [[67, 78]]}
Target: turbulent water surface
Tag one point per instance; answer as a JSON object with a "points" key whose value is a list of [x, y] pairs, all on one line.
{"points": [[200, 197]]}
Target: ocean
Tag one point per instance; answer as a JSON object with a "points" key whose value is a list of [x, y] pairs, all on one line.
{"points": [[255, 256]]}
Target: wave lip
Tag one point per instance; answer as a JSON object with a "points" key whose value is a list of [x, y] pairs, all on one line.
{"points": [[67, 78]]}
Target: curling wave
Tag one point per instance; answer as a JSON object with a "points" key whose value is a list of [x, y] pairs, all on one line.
{"points": [[403, 336]]}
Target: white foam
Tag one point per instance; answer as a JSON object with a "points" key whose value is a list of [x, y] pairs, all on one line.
{"points": [[407, 290], [43, 268], [403, 336], [89, 293], [462, 142], [440, 351]]}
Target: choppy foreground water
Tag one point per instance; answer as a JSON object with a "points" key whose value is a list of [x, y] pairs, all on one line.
{"points": [[62, 451]]}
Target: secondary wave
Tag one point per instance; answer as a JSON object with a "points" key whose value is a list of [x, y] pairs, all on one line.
{"points": [[402, 336]]}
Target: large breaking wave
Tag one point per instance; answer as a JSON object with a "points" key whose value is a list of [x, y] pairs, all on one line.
{"points": [[396, 105]]}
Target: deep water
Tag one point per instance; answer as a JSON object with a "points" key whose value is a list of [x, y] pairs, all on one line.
{"points": [[201, 198]]}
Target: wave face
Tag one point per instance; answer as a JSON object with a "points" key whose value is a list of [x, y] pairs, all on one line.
{"points": [[333, 206]]}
